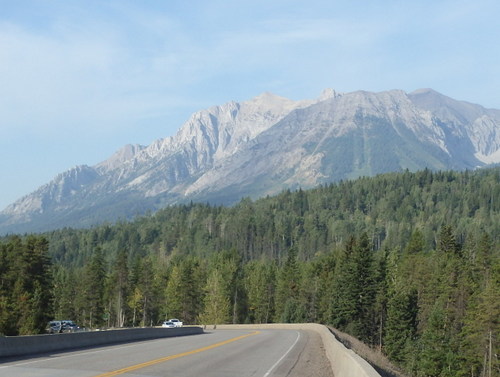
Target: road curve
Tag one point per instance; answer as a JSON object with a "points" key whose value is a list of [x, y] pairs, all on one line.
{"points": [[217, 353]]}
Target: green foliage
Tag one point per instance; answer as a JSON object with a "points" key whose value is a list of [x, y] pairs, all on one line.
{"points": [[354, 295], [401, 326], [437, 356], [287, 302], [184, 293], [260, 286], [481, 330], [93, 291], [222, 289], [217, 299], [147, 284], [118, 290], [26, 300]]}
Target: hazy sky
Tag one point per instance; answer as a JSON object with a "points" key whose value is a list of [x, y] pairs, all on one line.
{"points": [[80, 79]]}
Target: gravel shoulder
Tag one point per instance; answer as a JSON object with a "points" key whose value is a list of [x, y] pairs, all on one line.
{"points": [[312, 360]]}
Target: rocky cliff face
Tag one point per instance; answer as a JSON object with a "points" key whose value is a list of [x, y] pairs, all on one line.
{"points": [[263, 146]]}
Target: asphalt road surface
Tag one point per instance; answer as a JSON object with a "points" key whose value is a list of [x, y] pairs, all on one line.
{"points": [[217, 353]]}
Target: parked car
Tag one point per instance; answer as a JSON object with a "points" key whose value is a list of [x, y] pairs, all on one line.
{"points": [[57, 327], [168, 324], [53, 327], [70, 326]]}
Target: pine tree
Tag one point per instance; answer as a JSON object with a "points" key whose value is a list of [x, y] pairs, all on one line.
{"points": [[343, 304], [119, 288], [217, 300], [355, 290], [67, 293], [184, 291], [437, 356], [93, 289], [480, 333], [7, 326], [33, 287], [260, 288], [416, 244], [401, 325], [25, 286], [174, 294], [147, 283], [326, 287], [364, 288], [287, 303], [447, 242]]}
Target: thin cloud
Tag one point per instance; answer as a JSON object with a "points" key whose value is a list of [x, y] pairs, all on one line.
{"points": [[88, 79]]}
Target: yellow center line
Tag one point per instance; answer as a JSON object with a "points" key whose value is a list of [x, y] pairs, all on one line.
{"points": [[176, 356]]}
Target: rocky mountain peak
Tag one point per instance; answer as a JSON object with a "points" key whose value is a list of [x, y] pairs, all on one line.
{"points": [[263, 145], [327, 94], [120, 157]]}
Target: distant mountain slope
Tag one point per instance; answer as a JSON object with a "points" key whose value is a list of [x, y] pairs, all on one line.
{"points": [[263, 146]]}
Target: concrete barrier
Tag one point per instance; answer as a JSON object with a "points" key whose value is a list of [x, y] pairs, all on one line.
{"points": [[34, 344], [344, 362]]}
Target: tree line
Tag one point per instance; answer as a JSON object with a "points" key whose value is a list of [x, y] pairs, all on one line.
{"points": [[407, 262]]}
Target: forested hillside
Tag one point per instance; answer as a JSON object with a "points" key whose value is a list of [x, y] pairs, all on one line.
{"points": [[407, 262]]}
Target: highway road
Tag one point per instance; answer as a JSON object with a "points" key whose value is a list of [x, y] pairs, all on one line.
{"points": [[219, 353]]}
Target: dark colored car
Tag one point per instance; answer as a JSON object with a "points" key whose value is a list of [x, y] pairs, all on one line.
{"points": [[55, 327]]}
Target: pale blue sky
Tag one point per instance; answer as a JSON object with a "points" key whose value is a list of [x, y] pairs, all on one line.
{"points": [[80, 79]]}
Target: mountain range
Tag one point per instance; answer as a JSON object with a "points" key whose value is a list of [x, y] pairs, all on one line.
{"points": [[262, 146]]}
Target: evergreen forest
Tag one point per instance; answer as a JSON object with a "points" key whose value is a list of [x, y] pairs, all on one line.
{"points": [[407, 262]]}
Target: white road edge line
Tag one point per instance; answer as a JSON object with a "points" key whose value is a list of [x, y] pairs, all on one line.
{"points": [[282, 357]]}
